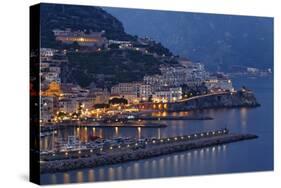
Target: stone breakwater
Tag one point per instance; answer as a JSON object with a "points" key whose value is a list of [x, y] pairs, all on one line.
{"points": [[222, 100], [131, 155]]}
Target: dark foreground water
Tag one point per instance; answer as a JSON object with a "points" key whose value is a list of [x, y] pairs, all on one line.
{"points": [[246, 156]]}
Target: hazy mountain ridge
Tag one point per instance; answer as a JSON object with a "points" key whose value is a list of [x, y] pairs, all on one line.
{"points": [[219, 41]]}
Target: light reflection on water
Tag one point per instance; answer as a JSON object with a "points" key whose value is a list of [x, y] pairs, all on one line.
{"points": [[234, 117], [162, 166]]}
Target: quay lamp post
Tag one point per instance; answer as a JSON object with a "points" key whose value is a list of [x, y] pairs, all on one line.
{"points": [[91, 151], [79, 152], [66, 154], [176, 138], [182, 137]]}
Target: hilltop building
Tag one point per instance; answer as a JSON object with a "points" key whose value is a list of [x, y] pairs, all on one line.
{"points": [[91, 39]]}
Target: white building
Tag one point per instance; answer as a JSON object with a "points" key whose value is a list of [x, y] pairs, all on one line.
{"points": [[47, 51], [101, 96], [71, 105], [145, 92], [219, 84], [167, 95], [72, 90], [46, 108], [126, 89], [51, 76], [68, 105], [175, 76]]}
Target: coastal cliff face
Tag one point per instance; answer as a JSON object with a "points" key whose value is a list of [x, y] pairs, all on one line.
{"points": [[225, 100]]}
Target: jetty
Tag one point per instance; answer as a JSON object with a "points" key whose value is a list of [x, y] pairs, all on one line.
{"points": [[142, 149]]}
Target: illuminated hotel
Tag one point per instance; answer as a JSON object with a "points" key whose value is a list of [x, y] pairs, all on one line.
{"points": [[83, 39]]}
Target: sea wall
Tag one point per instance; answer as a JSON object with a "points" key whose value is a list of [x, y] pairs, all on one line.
{"points": [[223, 100], [120, 157]]}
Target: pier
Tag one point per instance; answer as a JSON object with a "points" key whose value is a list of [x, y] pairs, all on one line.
{"points": [[140, 149]]}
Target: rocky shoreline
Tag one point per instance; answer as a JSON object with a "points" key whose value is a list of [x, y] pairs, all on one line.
{"points": [[223, 100], [125, 156]]}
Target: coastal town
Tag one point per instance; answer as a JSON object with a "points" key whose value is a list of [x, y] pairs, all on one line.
{"points": [[178, 85], [68, 101]]}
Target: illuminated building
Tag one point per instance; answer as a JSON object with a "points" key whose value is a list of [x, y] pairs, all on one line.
{"points": [[68, 36], [167, 95], [52, 91]]}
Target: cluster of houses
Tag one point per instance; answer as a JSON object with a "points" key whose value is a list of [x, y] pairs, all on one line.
{"points": [[57, 96]]}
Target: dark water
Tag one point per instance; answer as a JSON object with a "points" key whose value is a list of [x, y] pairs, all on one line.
{"points": [[246, 156]]}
